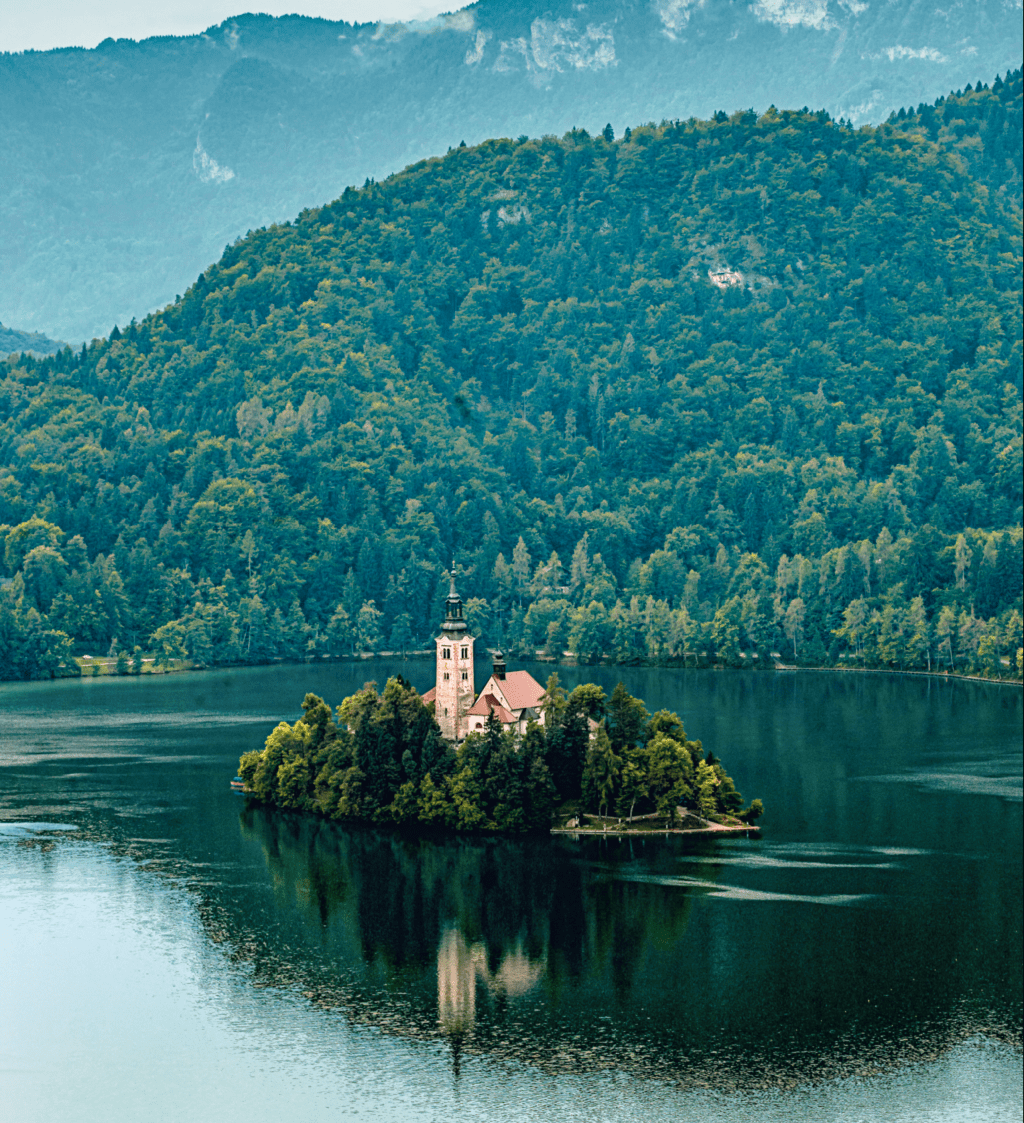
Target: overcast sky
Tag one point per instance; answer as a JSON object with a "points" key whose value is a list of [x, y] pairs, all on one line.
{"points": [[42, 24]]}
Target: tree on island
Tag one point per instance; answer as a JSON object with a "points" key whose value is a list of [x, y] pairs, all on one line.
{"points": [[384, 761]]}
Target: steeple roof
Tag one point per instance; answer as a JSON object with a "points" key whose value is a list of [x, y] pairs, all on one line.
{"points": [[454, 625]]}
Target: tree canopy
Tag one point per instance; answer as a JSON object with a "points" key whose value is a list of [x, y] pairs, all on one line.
{"points": [[733, 386], [384, 761]]}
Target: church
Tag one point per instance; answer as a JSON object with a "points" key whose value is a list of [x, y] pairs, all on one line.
{"points": [[514, 697]]}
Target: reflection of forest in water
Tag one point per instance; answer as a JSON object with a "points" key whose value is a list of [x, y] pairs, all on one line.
{"points": [[575, 957], [455, 936]]}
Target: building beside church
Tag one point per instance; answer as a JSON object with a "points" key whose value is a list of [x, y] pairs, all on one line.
{"points": [[514, 697]]}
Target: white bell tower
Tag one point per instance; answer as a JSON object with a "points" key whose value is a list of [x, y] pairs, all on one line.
{"points": [[454, 686]]}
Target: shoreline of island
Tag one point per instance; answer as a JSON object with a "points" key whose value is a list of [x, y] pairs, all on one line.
{"points": [[646, 826], [731, 832], [659, 832]]}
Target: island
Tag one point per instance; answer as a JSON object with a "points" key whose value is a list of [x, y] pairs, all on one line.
{"points": [[593, 763], [515, 758]]}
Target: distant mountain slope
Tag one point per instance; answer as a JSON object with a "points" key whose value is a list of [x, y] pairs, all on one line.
{"points": [[734, 386], [12, 341], [127, 168]]}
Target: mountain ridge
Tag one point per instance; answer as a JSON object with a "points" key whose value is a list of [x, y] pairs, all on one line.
{"points": [[131, 166], [13, 341]]}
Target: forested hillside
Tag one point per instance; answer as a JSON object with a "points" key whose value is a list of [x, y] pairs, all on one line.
{"points": [[728, 387], [127, 168]]}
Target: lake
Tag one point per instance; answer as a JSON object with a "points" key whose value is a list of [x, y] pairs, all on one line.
{"points": [[169, 953]]}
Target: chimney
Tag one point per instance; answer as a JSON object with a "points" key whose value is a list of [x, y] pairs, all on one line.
{"points": [[499, 665]]}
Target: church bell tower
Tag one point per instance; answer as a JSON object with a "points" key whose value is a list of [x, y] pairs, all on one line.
{"points": [[454, 687]]}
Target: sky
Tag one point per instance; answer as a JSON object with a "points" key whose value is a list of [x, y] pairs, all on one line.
{"points": [[41, 25]]}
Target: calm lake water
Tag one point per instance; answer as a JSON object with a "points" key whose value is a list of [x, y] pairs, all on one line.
{"points": [[167, 953]]}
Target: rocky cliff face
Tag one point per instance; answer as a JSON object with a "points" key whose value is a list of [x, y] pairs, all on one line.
{"points": [[128, 167]]}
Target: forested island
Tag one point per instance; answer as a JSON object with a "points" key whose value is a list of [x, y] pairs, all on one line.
{"points": [[728, 391], [591, 761]]}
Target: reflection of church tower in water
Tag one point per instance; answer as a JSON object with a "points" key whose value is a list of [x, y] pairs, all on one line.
{"points": [[453, 686], [457, 966], [460, 965]]}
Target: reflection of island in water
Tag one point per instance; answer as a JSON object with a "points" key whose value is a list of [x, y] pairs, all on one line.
{"points": [[578, 957]]}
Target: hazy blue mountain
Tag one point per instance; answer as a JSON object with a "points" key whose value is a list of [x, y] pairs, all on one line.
{"points": [[127, 168], [13, 341]]}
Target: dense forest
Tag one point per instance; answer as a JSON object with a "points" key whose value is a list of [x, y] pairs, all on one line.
{"points": [[733, 387], [386, 762]]}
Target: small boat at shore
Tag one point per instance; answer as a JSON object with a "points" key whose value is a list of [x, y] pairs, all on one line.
{"points": [[238, 784]]}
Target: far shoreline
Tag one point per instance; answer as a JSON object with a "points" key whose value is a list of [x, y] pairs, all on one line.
{"points": [[565, 662], [184, 667]]}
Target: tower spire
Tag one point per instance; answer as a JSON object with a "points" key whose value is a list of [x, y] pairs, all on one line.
{"points": [[453, 621], [454, 689]]}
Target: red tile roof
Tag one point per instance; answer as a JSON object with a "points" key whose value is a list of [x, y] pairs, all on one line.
{"points": [[521, 689], [485, 704], [428, 698], [481, 707]]}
